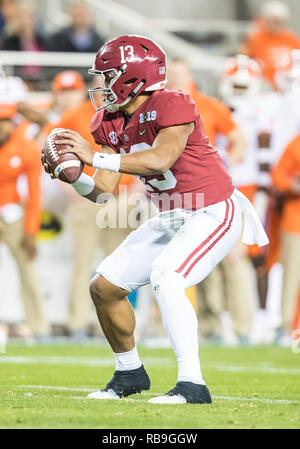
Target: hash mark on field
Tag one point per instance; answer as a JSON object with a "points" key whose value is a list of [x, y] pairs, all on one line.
{"points": [[227, 398]]}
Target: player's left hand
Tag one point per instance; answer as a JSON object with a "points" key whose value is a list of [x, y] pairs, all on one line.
{"points": [[79, 146]]}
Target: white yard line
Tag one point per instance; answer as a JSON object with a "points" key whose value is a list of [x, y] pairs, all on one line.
{"points": [[148, 361], [269, 401], [79, 361], [226, 398], [53, 387], [259, 369]]}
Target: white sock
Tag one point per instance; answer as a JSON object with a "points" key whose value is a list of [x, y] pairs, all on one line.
{"points": [[180, 322], [127, 360]]}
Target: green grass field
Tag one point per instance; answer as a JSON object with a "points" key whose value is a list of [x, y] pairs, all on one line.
{"points": [[46, 387]]}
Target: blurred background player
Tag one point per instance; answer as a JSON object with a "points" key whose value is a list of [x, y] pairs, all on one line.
{"points": [[218, 120], [286, 178], [216, 117], [240, 84], [13, 90], [269, 121], [68, 88], [287, 77], [271, 43], [21, 156], [68, 91]]}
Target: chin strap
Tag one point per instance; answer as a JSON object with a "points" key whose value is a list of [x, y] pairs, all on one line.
{"points": [[115, 107]]}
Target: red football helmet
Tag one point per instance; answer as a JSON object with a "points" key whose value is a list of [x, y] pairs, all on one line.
{"points": [[128, 66]]}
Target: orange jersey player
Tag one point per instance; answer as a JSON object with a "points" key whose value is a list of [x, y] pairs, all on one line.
{"points": [[18, 156], [272, 42], [217, 118], [286, 178], [21, 156]]}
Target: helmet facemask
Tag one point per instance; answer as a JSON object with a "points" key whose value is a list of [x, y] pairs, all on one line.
{"points": [[109, 98]]}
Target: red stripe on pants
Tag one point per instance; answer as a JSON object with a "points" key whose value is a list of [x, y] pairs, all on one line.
{"points": [[213, 243], [205, 241]]}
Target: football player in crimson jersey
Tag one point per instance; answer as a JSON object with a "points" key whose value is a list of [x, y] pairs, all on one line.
{"points": [[158, 135]]}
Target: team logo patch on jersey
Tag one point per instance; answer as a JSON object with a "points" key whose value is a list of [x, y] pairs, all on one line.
{"points": [[126, 138], [113, 137]]}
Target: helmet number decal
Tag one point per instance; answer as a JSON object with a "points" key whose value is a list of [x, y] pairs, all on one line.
{"points": [[127, 53]]}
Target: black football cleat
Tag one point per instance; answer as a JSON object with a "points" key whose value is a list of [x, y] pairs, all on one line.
{"points": [[184, 393], [123, 384]]}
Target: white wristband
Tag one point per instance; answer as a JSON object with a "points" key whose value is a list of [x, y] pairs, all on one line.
{"points": [[84, 185], [105, 161]]}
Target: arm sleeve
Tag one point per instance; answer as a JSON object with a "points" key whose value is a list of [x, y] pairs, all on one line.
{"points": [[283, 173], [177, 109], [33, 173]]}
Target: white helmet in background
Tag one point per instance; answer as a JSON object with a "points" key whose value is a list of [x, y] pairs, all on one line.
{"points": [[287, 77], [240, 80], [12, 88]]}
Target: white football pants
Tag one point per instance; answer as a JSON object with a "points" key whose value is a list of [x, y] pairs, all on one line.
{"points": [[188, 243], [174, 250]]}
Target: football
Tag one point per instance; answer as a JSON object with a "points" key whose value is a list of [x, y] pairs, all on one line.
{"points": [[66, 167]]}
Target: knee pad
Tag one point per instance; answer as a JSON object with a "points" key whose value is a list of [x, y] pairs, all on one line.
{"points": [[165, 282]]}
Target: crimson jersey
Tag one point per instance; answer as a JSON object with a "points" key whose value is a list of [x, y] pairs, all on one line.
{"points": [[197, 179]]}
